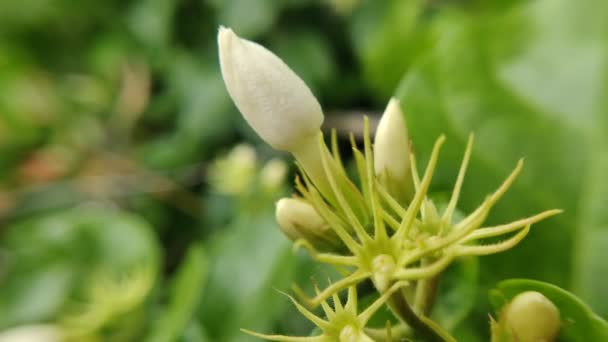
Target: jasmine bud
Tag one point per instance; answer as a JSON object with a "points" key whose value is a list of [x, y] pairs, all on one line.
{"points": [[531, 317], [276, 103], [299, 220], [391, 152]]}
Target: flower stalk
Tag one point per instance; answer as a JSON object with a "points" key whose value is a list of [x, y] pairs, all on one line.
{"points": [[423, 327]]}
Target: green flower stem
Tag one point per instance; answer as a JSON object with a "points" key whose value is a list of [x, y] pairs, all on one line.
{"points": [[308, 155], [398, 332], [426, 292], [422, 327], [426, 295]]}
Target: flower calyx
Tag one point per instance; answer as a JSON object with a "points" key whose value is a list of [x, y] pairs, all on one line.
{"points": [[396, 232], [342, 322]]}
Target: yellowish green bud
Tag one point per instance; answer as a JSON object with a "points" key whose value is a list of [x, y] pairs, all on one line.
{"points": [[392, 152], [234, 173], [276, 103], [273, 175], [531, 317]]}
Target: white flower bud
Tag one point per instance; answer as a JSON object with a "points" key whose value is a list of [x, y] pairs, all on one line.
{"points": [[234, 173], [391, 151], [273, 174], [531, 317], [299, 220], [32, 333], [273, 99]]}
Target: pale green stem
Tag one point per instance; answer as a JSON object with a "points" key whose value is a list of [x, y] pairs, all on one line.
{"points": [[308, 155]]}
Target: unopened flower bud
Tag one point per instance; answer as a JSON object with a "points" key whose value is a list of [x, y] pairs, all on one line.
{"points": [[299, 220], [273, 175], [276, 103], [31, 333], [391, 152], [531, 317], [234, 173]]}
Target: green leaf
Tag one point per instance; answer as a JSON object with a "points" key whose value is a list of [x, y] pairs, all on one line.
{"points": [[308, 54], [456, 293], [205, 114], [387, 37], [528, 83], [151, 22], [590, 264], [51, 258], [249, 18], [185, 297], [579, 323], [248, 260]]}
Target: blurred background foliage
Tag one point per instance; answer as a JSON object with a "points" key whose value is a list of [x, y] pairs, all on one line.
{"points": [[127, 215]]}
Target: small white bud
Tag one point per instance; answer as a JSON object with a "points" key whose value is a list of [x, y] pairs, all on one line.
{"points": [[276, 103], [273, 174], [234, 173], [299, 220], [32, 333], [391, 151], [296, 216], [531, 317]]}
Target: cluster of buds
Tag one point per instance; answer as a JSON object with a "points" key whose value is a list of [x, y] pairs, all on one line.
{"points": [[385, 229], [239, 173]]}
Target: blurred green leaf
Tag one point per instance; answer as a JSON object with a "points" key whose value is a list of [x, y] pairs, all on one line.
{"points": [[590, 264], [456, 293], [527, 83], [579, 323], [35, 294], [387, 37], [249, 18], [184, 297], [151, 21], [50, 258], [308, 54], [473, 81], [205, 114], [248, 260]]}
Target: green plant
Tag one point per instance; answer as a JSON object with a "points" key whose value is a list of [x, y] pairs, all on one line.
{"points": [[402, 243]]}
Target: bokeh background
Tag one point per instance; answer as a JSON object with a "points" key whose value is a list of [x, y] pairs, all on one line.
{"points": [[136, 204]]}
